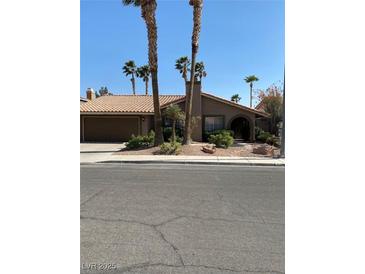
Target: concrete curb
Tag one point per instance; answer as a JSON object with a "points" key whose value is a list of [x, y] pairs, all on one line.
{"points": [[189, 162]]}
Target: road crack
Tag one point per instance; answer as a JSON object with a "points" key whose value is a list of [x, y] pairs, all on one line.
{"points": [[92, 197], [154, 227]]}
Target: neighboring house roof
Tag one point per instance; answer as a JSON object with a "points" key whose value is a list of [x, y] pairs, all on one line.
{"points": [[143, 104], [126, 103], [260, 106], [82, 99]]}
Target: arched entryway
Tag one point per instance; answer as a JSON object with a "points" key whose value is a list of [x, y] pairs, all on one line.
{"points": [[241, 128]]}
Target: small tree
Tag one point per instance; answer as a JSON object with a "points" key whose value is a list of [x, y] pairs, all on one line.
{"points": [[174, 113], [130, 68], [235, 98], [144, 73], [272, 100]]}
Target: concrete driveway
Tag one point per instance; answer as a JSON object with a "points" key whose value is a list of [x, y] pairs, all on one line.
{"points": [[94, 152], [181, 219], [100, 147]]}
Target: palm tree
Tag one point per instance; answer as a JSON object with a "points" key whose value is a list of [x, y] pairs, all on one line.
{"points": [[174, 113], [144, 73], [148, 10], [235, 98], [197, 12], [250, 79], [182, 65], [130, 69], [200, 71]]}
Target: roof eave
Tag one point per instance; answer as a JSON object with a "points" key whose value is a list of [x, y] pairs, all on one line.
{"points": [[114, 113]]}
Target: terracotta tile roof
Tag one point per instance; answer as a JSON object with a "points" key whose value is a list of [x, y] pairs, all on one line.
{"points": [[126, 103]]}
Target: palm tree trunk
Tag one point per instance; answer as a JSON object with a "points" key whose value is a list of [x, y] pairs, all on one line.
{"points": [[146, 82], [173, 131], [133, 85], [148, 9], [185, 75], [189, 101], [250, 95], [198, 5], [157, 109]]}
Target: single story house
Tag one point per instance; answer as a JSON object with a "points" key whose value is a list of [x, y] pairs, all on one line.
{"points": [[114, 118]]}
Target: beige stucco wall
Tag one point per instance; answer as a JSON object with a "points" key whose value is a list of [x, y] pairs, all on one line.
{"points": [[213, 107], [146, 124]]}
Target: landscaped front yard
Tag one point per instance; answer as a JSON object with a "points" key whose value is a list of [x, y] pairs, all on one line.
{"points": [[236, 150]]}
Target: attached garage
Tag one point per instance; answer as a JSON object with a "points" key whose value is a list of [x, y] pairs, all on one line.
{"points": [[114, 118], [109, 128]]}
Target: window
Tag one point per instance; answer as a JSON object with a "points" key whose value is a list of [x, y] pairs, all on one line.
{"points": [[213, 123]]}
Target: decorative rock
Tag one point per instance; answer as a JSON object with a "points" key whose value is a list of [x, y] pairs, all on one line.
{"points": [[209, 149]]}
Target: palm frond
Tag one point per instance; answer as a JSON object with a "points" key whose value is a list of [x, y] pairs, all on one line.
{"points": [[135, 3], [251, 78], [129, 68], [143, 72]]}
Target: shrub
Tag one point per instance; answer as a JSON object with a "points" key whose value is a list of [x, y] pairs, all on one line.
{"points": [[258, 132], [263, 136], [141, 141], [172, 148], [268, 138], [222, 131], [223, 139], [206, 134], [178, 139], [167, 134]]}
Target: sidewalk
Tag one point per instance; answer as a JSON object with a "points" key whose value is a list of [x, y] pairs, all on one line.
{"points": [[167, 159]]}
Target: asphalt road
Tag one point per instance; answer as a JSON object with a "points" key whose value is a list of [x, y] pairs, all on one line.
{"points": [[181, 219]]}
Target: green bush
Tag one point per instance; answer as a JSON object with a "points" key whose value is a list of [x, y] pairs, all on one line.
{"points": [[258, 132], [263, 136], [141, 141], [172, 148], [178, 139], [222, 131], [222, 139], [206, 134], [268, 138], [167, 134]]}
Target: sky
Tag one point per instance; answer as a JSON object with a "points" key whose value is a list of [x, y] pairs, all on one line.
{"points": [[238, 38]]}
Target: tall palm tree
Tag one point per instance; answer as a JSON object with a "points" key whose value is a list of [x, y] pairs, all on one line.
{"points": [[249, 80], [148, 10], [197, 12], [235, 98], [182, 65], [130, 69], [200, 71], [144, 73]]}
